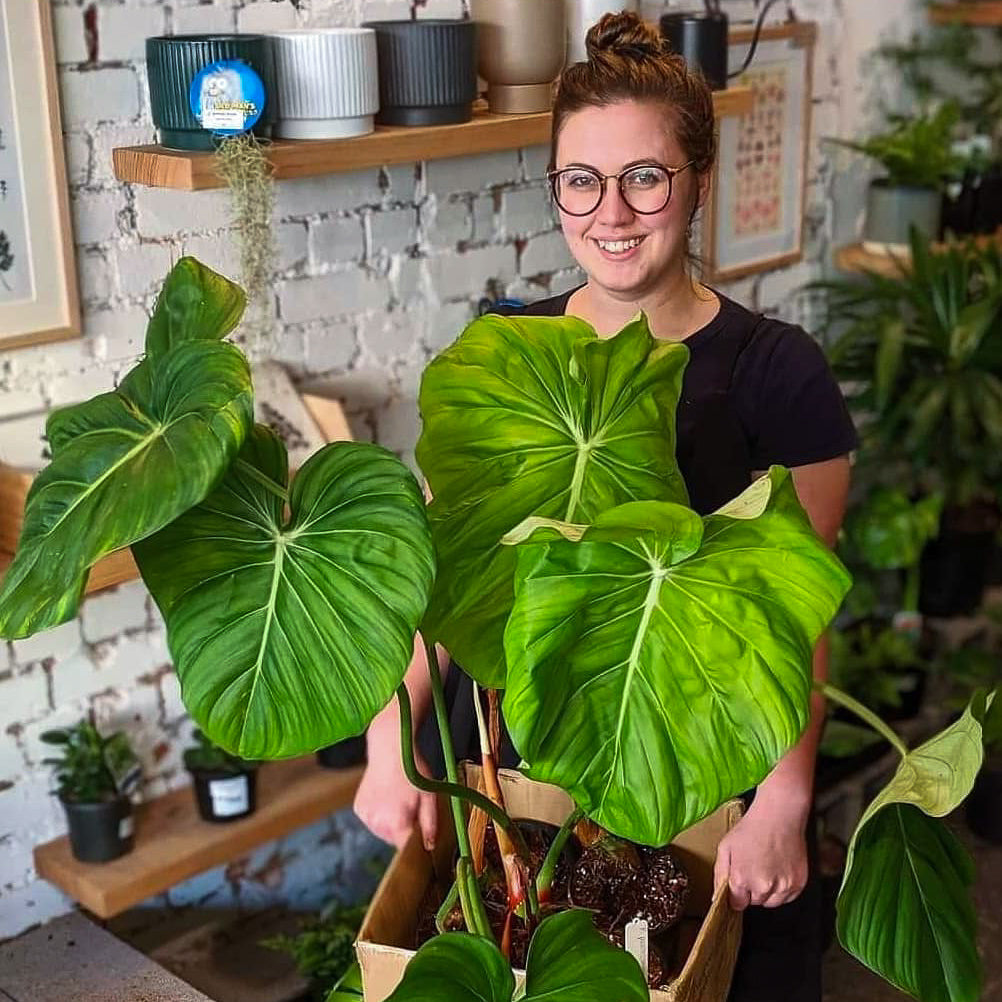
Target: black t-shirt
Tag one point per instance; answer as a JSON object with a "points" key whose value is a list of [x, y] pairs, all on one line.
{"points": [[756, 391]]}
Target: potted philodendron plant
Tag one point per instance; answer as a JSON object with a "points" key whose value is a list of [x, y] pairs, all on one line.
{"points": [[917, 158], [225, 785], [654, 662], [94, 774], [925, 375]]}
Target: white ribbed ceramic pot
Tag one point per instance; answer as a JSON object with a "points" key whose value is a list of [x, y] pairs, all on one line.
{"points": [[327, 82], [581, 15]]}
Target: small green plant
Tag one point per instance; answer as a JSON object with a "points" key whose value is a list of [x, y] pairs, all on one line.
{"points": [[915, 152], [323, 949], [92, 768], [206, 756], [870, 662]]}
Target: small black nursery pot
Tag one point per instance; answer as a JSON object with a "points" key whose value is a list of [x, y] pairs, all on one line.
{"points": [[223, 795], [99, 831]]}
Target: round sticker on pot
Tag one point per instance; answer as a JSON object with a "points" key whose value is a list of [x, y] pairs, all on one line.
{"points": [[227, 97]]}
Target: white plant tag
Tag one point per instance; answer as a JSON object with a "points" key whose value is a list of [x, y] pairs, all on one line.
{"points": [[229, 796], [125, 827], [637, 943]]}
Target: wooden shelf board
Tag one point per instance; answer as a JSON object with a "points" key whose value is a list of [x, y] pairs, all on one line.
{"points": [[983, 13], [173, 843], [115, 569], [855, 257], [159, 167]]}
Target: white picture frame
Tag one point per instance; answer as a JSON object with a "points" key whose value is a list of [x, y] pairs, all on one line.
{"points": [[39, 300]]}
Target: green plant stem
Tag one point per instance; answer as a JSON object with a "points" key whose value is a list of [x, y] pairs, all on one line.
{"points": [[263, 479], [866, 715], [469, 891], [544, 879], [447, 905]]}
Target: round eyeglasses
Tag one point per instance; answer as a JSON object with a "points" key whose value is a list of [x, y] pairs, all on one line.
{"points": [[645, 188]]}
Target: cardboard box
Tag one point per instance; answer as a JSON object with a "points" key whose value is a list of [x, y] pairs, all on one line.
{"points": [[386, 937]]}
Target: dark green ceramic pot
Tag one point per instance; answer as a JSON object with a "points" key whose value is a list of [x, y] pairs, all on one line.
{"points": [[172, 61]]}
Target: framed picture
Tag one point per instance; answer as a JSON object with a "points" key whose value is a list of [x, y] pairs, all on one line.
{"points": [[755, 216], [38, 289]]}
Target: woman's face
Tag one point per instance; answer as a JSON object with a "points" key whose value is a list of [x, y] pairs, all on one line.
{"points": [[609, 139]]}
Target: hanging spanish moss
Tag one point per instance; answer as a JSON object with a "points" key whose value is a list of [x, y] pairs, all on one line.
{"points": [[242, 162]]}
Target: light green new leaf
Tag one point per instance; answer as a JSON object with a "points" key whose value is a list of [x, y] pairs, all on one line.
{"points": [[907, 913], [348, 987], [660, 663], [936, 776], [570, 961], [456, 967], [535, 416], [129, 468], [292, 634]]}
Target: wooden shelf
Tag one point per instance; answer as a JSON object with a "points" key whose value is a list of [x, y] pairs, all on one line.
{"points": [[173, 843], [983, 13], [115, 569], [159, 167], [855, 257]]}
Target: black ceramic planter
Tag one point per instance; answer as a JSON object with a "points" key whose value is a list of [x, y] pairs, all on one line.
{"points": [[427, 71], [984, 805], [224, 796], [172, 62], [343, 754], [701, 40], [100, 832]]}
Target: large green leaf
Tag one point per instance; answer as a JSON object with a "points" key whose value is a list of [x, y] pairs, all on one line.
{"points": [[568, 961], [535, 416], [907, 913], [456, 967], [659, 663], [125, 468], [195, 304], [292, 633]]}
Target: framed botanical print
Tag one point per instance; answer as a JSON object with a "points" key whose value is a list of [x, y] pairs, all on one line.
{"points": [[755, 216], [38, 289]]}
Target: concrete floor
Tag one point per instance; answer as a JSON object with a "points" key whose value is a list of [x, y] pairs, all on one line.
{"points": [[846, 980]]}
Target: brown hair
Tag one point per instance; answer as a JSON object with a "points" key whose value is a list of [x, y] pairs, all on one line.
{"points": [[628, 60]]}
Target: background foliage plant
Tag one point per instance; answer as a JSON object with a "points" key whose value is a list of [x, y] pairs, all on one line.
{"points": [[91, 768], [207, 756]]}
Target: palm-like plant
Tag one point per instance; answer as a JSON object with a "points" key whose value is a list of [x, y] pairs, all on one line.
{"points": [[921, 353]]}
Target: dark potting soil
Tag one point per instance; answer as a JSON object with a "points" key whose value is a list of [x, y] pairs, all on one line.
{"points": [[617, 880]]}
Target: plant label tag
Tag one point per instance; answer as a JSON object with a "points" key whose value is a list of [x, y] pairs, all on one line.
{"points": [[229, 796], [125, 826], [227, 97], [637, 942]]}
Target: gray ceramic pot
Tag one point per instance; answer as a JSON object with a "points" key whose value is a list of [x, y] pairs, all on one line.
{"points": [[891, 211]]}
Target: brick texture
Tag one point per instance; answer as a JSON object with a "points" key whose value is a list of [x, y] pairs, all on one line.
{"points": [[376, 271]]}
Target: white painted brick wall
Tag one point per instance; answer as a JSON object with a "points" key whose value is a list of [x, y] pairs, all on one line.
{"points": [[376, 270]]}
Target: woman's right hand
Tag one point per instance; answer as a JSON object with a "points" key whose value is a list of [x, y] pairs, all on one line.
{"points": [[387, 803]]}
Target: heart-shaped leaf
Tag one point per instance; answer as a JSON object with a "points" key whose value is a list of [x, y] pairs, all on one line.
{"points": [[568, 961], [291, 634], [907, 912], [659, 663], [124, 469], [535, 416], [456, 967]]}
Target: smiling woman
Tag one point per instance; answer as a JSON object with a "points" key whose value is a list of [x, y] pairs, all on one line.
{"points": [[632, 150]]}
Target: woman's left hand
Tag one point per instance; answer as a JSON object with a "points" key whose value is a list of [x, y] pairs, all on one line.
{"points": [[763, 859]]}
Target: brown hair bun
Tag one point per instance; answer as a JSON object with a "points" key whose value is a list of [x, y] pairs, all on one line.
{"points": [[624, 34]]}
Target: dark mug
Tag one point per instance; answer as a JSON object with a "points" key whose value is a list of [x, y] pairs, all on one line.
{"points": [[701, 40]]}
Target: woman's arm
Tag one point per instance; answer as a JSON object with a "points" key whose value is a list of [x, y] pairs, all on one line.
{"points": [[764, 857]]}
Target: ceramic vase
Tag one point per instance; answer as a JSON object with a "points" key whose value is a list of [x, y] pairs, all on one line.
{"points": [[581, 15], [521, 49], [327, 85]]}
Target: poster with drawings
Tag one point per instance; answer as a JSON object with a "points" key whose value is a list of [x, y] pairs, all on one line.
{"points": [[38, 296], [756, 212]]}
